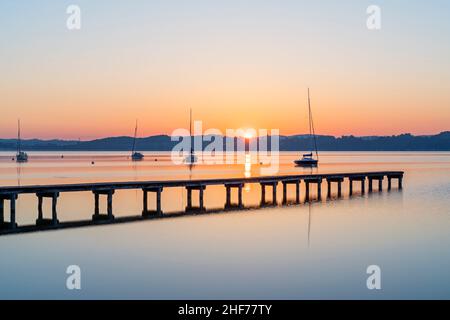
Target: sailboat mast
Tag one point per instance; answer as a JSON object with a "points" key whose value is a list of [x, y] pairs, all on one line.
{"points": [[190, 130], [309, 116], [311, 126], [134, 140], [18, 136]]}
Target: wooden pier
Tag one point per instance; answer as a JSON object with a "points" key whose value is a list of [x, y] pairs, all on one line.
{"points": [[53, 192]]}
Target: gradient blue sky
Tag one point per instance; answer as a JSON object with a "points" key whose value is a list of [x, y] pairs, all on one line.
{"points": [[237, 63]]}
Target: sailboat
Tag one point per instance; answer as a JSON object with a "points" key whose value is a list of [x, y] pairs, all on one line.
{"points": [[136, 156], [21, 156], [191, 158], [308, 159]]}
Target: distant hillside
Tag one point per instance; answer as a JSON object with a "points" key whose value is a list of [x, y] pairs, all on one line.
{"points": [[403, 142]]}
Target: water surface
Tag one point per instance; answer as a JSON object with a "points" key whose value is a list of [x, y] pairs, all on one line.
{"points": [[315, 250]]}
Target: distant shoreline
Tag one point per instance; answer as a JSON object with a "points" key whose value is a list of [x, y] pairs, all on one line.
{"points": [[403, 142]]}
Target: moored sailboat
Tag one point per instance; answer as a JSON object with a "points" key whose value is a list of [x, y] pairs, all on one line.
{"points": [[135, 156], [308, 159], [21, 156], [191, 158]]}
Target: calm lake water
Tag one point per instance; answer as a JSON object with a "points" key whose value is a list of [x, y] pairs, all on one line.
{"points": [[315, 250]]}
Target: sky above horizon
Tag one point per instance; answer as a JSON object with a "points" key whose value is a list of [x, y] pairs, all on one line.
{"points": [[237, 64]]}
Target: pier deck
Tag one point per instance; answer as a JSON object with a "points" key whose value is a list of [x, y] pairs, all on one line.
{"points": [[12, 194]]}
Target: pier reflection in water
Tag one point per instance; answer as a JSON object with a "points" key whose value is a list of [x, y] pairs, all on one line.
{"points": [[52, 192]]}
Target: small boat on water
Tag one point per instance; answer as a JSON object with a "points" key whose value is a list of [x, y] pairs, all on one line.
{"points": [[21, 156], [136, 156], [308, 160], [191, 158]]}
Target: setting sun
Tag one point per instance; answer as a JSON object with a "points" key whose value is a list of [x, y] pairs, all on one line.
{"points": [[248, 135]]}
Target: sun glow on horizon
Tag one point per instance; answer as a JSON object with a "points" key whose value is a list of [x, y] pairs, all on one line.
{"points": [[248, 134]]}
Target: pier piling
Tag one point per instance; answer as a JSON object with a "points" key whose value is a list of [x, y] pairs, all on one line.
{"points": [[398, 176], [285, 183], [109, 211], [312, 180], [157, 190], [11, 197], [379, 178], [361, 178], [41, 220], [229, 187], [272, 184], [335, 179], [200, 188]]}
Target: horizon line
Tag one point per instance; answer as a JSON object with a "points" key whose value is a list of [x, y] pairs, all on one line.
{"points": [[280, 135]]}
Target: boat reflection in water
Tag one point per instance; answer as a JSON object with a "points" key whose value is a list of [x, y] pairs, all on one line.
{"points": [[247, 171]]}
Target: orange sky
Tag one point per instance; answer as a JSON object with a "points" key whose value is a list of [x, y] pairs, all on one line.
{"points": [[240, 65]]}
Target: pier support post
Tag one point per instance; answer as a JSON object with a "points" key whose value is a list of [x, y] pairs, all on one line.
{"points": [[158, 202], [12, 197], [399, 177], [40, 212], [189, 198], [285, 183], [336, 179], [274, 194], [41, 220], [12, 218], [360, 178], [240, 202], [109, 205], [319, 189], [109, 210], [318, 181], [306, 190], [200, 198], [157, 190], [272, 184], [229, 187], [379, 178], [144, 202], [2, 211], [228, 197], [200, 188], [96, 206]]}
